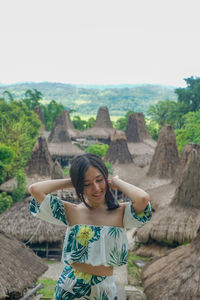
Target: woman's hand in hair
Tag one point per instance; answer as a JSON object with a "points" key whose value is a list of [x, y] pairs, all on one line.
{"points": [[112, 182]]}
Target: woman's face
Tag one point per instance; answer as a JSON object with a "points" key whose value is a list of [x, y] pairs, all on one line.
{"points": [[94, 187]]}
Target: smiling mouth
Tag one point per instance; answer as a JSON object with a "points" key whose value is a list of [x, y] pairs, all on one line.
{"points": [[98, 195]]}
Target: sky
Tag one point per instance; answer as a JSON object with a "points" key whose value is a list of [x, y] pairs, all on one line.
{"points": [[100, 41]]}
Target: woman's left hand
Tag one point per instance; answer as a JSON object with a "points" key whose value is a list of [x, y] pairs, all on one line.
{"points": [[111, 182]]}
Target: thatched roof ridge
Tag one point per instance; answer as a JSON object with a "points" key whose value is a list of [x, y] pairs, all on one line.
{"points": [[18, 222], [97, 133], [118, 150], [175, 275], [19, 268], [59, 133], [188, 192], [64, 149], [132, 130], [165, 159], [40, 162], [38, 111], [180, 221], [183, 161], [142, 129], [103, 118]]}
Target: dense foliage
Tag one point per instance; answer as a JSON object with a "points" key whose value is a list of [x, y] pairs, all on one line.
{"points": [[19, 129], [97, 149]]}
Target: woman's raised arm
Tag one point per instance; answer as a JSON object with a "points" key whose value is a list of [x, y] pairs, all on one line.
{"points": [[138, 197], [40, 189]]}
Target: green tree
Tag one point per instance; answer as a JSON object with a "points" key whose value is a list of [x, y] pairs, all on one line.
{"points": [[32, 98], [20, 190], [50, 113], [79, 123], [98, 149], [5, 202], [90, 122], [166, 112], [121, 123], [6, 157], [8, 95], [19, 129], [190, 131], [189, 97]]}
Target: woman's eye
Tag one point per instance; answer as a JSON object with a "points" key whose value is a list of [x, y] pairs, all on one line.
{"points": [[86, 185], [99, 180]]}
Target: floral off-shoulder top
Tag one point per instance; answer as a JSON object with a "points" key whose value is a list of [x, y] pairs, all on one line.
{"points": [[91, 244]]}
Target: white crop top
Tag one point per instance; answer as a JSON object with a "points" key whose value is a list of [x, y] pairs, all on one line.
{"points": [[91, 244]]}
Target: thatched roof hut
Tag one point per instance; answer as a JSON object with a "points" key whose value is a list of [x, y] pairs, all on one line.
{"points": [[183, 161], [133, 129], [118, 152], [102, 128], [165, 159], [18, 222], [142, 129], [180, 221], [59, 141], [174, 276], [103, 118], [40, 162], [63, 129], [19, 268]]}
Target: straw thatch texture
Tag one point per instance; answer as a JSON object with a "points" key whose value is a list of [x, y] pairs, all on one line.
{"points": [[183, 161], [57, 172], [152, 250], [18, 222], [59, 133], [165, 159], [19, 268], [174, 276], [132, 130], [103, 118], [180, 221], [142, 129], [65, 150], [98, 133], [118, 150], [40, 162], [38, 111]]}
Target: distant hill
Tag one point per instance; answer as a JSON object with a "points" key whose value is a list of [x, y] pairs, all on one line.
{"points": [[86, 99]]}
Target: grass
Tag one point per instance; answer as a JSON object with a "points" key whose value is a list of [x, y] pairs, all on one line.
{"points": [[49, 287], [133, 270]]}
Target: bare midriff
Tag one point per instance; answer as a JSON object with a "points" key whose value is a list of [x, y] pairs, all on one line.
{"points": [[94, 270]]}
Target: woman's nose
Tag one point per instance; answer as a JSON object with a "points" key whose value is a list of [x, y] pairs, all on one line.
{"points": [[96, 186]]}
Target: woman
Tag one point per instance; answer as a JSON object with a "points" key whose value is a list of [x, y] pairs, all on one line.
{"points": [[95, 238]]}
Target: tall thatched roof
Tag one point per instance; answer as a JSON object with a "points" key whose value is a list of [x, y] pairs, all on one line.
{"points": [[59, 141], [102, 128], [142, 129], [63, 129], [18, 222], [38, 111], [103, 118], [40, 162], [165, 159], [183, 161], [180, 221], [19, 268], [133, 131], [118, 150], [59, 132], [175, 275]]}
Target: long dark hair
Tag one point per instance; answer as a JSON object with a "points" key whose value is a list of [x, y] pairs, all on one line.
{"points": [[79, 165]]}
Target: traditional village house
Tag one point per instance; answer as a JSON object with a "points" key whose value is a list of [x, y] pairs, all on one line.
{"points": [[118, 152], [19, 268], [101, 130], [59, 141], [165, 159], [179, 221]]}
